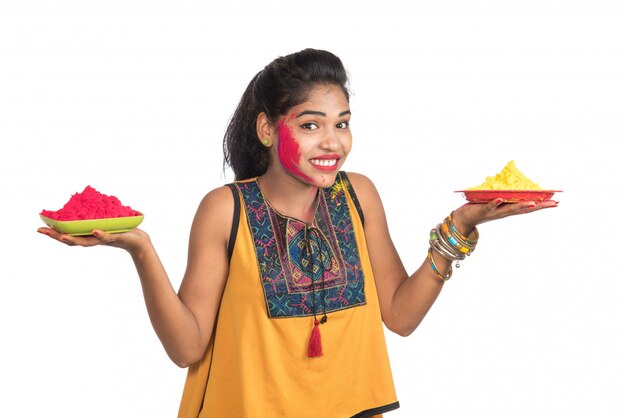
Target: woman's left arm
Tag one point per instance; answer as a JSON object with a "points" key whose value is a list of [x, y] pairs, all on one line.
{"points": [[405, 300]]}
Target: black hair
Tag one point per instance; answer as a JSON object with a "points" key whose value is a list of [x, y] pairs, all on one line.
{"points": [[282, 84]]}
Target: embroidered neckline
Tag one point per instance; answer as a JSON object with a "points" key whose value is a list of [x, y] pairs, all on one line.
{"points": [[284, 276], [292, 218]]}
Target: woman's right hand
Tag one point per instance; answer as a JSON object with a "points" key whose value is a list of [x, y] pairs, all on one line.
{"points": [[131, 241]]}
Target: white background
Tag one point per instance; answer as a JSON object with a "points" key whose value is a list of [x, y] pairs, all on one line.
{"points": [[132, 97]]}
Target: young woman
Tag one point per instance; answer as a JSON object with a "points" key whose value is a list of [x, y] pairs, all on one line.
{"points": [[291, 269]]}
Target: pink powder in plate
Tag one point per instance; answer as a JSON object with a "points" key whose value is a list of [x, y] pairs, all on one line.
{"points": [[90, 204]]}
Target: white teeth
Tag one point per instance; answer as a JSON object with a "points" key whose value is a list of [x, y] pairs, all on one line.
{"points": [[324, 163]]}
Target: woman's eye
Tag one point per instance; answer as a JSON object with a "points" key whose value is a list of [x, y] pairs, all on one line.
{"points": [[309, 126], [343, 125]]}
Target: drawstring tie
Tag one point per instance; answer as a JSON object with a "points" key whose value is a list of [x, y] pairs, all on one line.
{"points": [[315, 340]]}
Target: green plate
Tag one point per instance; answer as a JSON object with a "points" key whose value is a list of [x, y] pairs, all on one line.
{"points": [[84, 227]]}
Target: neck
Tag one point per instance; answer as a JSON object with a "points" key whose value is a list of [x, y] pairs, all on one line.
{"points": [[288, 195]]}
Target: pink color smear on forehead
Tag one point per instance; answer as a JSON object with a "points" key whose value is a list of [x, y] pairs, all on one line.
{"points": [[288, 151]]}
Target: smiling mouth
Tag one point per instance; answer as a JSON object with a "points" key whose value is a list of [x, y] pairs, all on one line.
{"points": [[324, 163]]}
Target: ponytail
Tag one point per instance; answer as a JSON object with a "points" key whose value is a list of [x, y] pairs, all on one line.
{"points": [[242, 150]]}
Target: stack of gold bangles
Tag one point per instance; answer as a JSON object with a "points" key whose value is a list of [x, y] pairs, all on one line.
{"points": [[451, 245]]}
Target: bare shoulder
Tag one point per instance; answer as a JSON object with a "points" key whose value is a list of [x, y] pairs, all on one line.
{"points": [[215, 212], [217, 200], [364, 189], [370, 202]]}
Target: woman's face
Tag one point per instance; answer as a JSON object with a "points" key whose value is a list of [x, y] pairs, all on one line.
{"points": [[314, 138]]}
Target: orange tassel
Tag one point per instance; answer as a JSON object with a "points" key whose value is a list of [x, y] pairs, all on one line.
{"points": [[315, 342]]}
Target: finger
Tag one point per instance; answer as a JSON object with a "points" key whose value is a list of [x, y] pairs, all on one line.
{"points": [[83, 241], [45, 231], [546, 204], [531, 206], [54, 234], [67, 240], [527, 206], [494, 204], [518, 208], [506, 209], [498, 208], [103, 237]]}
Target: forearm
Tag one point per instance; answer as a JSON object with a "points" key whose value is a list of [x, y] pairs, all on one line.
{"points": [[172, 321], [415, 295]]}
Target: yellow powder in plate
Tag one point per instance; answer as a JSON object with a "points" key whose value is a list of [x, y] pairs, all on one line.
{"points": [[510, 178]]}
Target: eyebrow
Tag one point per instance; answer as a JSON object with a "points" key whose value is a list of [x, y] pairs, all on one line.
{"points": [[318, 113]]}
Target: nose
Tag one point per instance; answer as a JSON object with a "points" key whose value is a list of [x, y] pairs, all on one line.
{"points": [[331, 141]]}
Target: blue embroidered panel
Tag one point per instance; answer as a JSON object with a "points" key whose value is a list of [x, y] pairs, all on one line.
{"points": [[306, 268]]}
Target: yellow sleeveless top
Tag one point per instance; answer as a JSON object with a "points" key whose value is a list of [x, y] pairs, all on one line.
{"points": [[285, 276]]}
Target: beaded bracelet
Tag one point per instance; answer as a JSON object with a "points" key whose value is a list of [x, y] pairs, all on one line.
{"points": [[471, 241], [433, 266], [452, 237], [456, 239], [443, 248], [450, 244]]}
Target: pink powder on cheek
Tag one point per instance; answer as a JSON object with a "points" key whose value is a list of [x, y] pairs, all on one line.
{"points": [[288, 151]]}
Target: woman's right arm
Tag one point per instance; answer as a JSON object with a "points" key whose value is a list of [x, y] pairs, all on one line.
{"points": [[184, 322]]}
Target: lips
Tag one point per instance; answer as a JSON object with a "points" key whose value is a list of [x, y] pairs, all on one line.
{"points": [[326, 162]]}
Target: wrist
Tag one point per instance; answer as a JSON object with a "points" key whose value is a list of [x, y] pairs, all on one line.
{"points": [[451, 242], [141, 248], [461, 224]]}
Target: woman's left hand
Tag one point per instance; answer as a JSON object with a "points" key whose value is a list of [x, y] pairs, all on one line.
{"points": [[471, 214]]}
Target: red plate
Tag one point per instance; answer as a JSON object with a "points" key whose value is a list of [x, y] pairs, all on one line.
{"points": [[482, 196]]}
